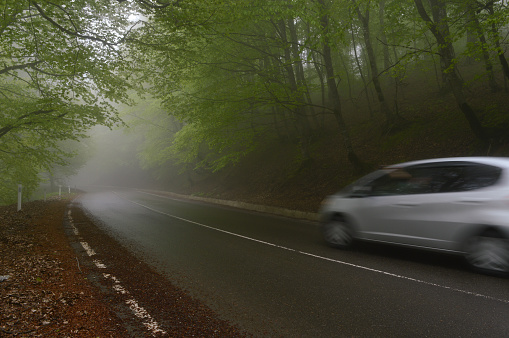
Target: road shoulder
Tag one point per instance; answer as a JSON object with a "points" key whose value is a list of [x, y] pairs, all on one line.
{"points": [[44, 291]]}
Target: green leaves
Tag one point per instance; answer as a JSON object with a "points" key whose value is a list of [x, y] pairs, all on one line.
{"points": [[62, 71]]}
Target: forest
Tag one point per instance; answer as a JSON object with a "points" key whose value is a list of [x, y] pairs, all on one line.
{"points": [[270, 101]]}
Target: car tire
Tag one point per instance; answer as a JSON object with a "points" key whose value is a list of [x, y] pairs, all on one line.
{"points": [[488, 253], [338, 233]]}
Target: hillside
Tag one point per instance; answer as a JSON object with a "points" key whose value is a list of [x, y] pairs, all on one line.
{"points": [[431, 126]]}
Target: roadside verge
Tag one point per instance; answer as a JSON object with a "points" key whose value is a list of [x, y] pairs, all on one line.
{"points": [[310, 216]]}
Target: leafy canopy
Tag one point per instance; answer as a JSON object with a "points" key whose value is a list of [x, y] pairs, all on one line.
{"points": [[63, 70]]}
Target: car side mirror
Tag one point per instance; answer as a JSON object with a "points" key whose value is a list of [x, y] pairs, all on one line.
{"points": [[361, 191]]}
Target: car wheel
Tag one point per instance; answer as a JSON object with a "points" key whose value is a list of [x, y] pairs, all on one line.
{"points": [[337, 233], [488, 253]]}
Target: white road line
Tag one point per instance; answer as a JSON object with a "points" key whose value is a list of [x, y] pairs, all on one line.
{"points": [[88, 249], [116, 284], [138, 311], [99, 264], [323, 258], [74, 229]]}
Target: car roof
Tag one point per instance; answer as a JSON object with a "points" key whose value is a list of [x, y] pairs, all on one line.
{"points": [[495, 161]]}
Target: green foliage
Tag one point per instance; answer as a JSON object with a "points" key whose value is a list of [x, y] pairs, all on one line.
{"points": [[62, 72], [408, 134], [225, 78], [218, 75], [495, 117], [224, 68]]}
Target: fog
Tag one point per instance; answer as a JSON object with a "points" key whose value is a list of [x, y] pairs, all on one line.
{"points": [[112, 160]]}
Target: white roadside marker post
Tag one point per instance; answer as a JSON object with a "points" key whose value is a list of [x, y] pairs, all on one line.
{"points": [[59, 190], [20, 187]]}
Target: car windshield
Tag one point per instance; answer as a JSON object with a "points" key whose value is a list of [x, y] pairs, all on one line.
{"points": [[357, 186]]}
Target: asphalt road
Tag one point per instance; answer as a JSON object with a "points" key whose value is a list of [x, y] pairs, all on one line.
{"points": [[273, 276]]}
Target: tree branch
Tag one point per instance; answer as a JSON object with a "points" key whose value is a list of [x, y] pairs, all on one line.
{"points": [[69, 32], [7, 129], [26, 65], [160, 5]]}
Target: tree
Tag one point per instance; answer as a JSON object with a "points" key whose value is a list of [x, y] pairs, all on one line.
{"points": [[499, 16], [63, 71], [233, 72], [364, 20], [228, 73], [439, 27], [331, 84], [481, 44]]}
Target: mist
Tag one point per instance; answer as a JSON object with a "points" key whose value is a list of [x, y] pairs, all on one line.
{"points": [[113, 161]]}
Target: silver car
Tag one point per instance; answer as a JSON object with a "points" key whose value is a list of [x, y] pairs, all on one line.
{"points": [[456, 205]]}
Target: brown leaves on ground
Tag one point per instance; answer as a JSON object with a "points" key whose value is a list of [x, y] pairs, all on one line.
{"points": [[47, 289], [42, 290]]}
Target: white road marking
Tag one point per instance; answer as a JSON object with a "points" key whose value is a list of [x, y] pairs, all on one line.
{"points": [[138, 311], [99, 264], [88, 249], [149, 322], [320, 257], [74, 229], [71, 221], [116, 284]]}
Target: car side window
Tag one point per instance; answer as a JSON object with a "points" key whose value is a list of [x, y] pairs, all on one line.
{"points": [[438, 178], [443, 176], [386, 185], [475, 176], [398, 182]]}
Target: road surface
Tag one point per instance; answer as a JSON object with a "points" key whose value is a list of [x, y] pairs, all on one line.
{"points": [[274, 276]]}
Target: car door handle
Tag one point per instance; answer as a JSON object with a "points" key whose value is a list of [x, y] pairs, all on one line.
{"points": [[407, 205], [479, 201]]}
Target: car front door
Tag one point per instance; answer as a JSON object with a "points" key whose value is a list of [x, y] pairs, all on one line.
{"points": [[406, 207]]}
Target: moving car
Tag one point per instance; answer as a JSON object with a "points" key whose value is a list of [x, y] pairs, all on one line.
{"points": [[457, 205]]}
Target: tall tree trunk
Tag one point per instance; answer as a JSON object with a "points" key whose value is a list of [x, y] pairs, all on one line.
{"points": [[317, 64], [364, 19], [291, 129], [439, 15], [496, 35], [471, 32], [319, 72], [440, 30], [52, 186], [301, 80], [366, 90], [483, 44], [350, 90], [302, 120], [333, 90], [383, 36]]}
